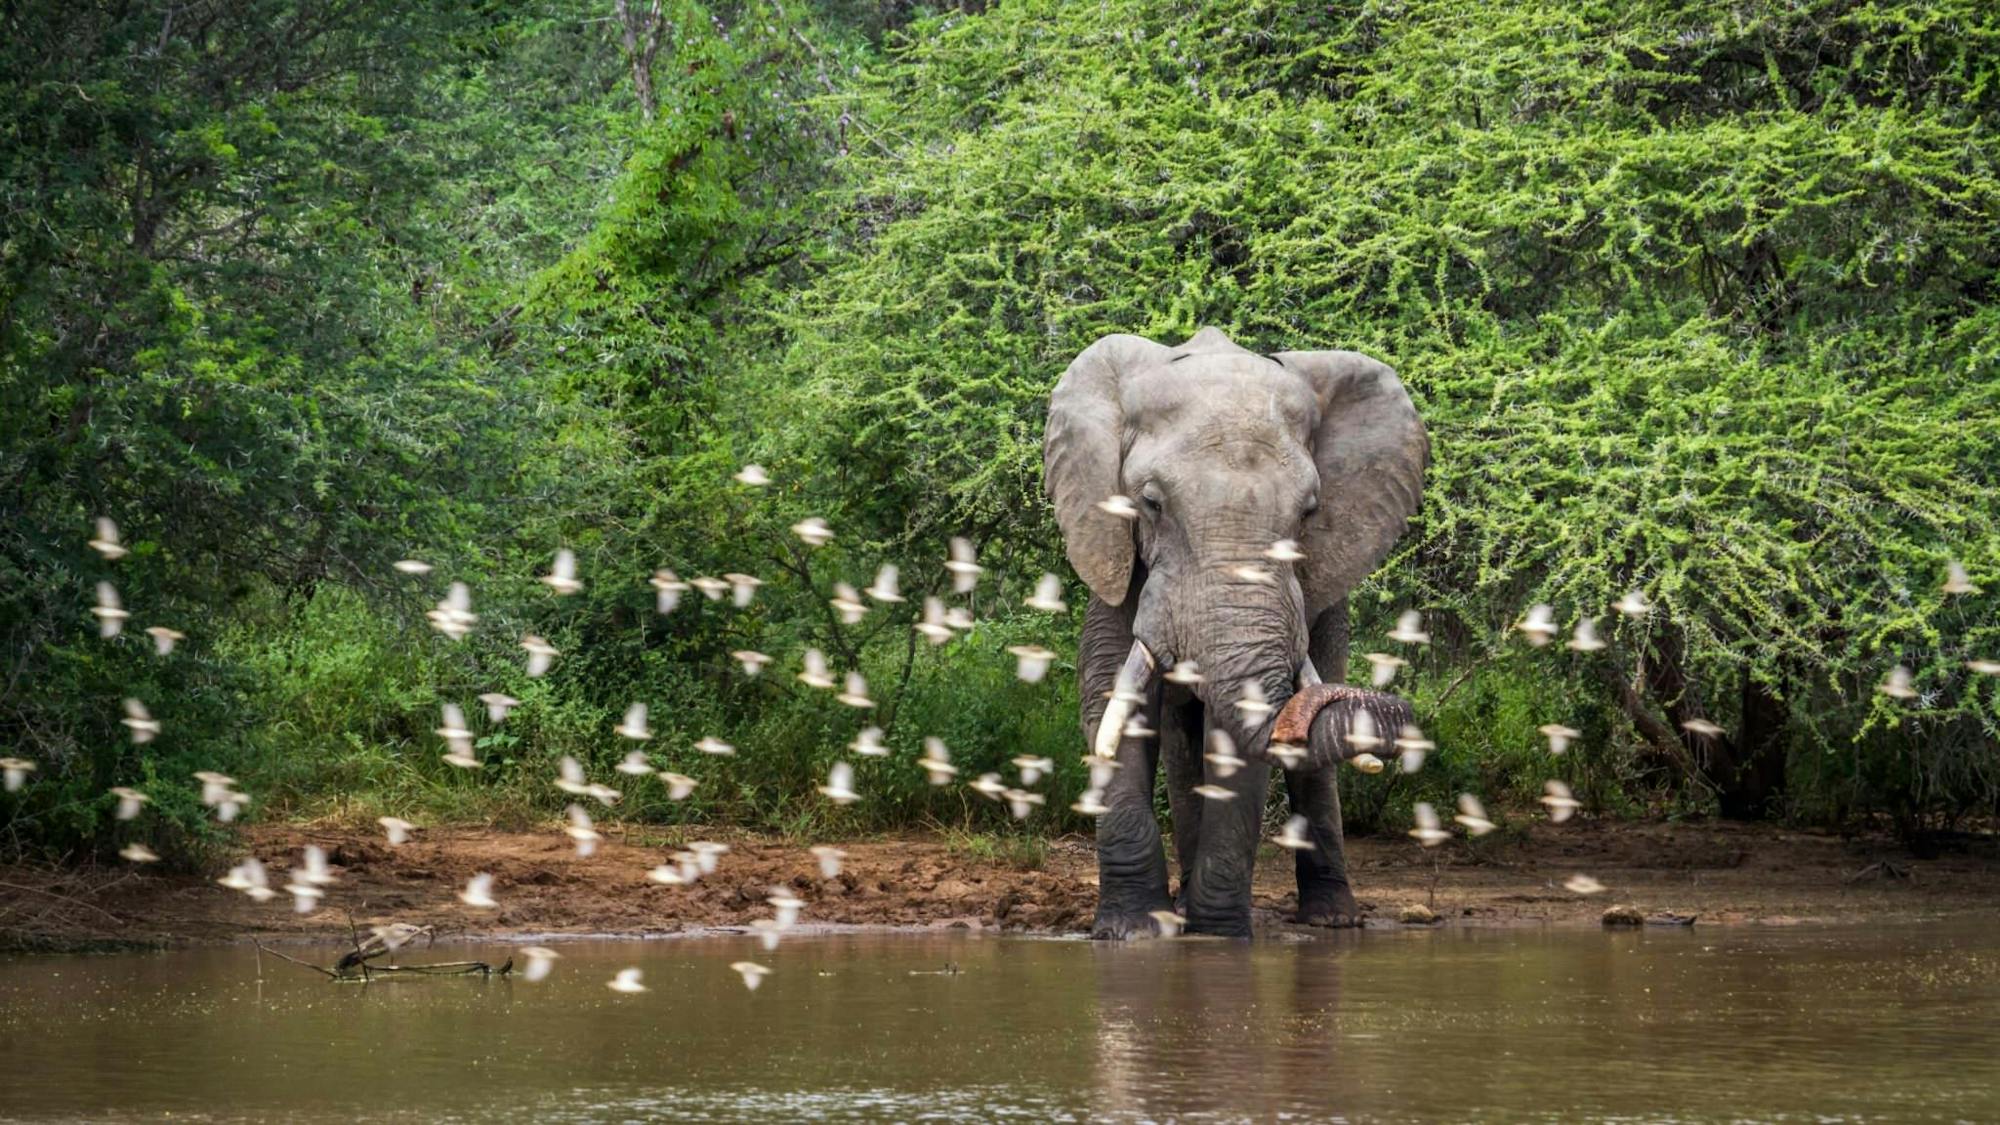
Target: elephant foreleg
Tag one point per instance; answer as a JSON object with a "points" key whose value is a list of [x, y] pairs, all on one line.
{"points": [[1325, 899], [1131, 862], [1218, 898], [1181, 748]]}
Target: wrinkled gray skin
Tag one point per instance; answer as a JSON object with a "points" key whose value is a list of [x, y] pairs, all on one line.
{"points": [[1224, 452]]}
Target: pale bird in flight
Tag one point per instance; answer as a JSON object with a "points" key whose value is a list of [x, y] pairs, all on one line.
{"points": [[1091, 803], [815, 674], [989, 785], [708, 855], [1222, 754], [1409, 629], [250, 878], [634, 725], [627, 980], [141, 722], [1984, 667], [1031, 662], [1540, 624], [1562, 804], [1184, 672], [164, 639], [497, 705], [742, 588], [1020, 802], [847, 602], [1412, 747], [106, 543], [1582, 885], [305, 896], [1032, 768], [1585, 638], [1253, 707], [1120, 505], [1287, 754], [963, 565], [752, 973], [1366, 763], [1255, 574], [570, 777], [1559, 736], [1047, 596], [14, 773], [813, 531], [396, 828], [669, 587], [314, 869], [1956, 580], [1633, 604], [541, 962], [412, 566], [1897, 685], [1382, 668], [214, 786], [959, 618], [711, 588], [713, 745], [839, 787], [1472, 815], [1429, 831], [1361, 732], [582, 831], [1170, 923], [1101, 770], [673, 875], [453, 616], [561, 577], [768, 932], [1215, 792], [868, 743], [478, 892], [1285, 551], [138, 853], [109, 611], [605, 795], [785, 905], [855, 693], [634, 764], [457, 738], [1702, 728], [933, 626], [679, 785], [1294, 835], [752, 475], [884, 588], [751, 661], [829, 858], [937, 760], [541, 654]]}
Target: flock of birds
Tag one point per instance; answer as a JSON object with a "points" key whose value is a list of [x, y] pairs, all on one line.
{"points": [[453, 617]]}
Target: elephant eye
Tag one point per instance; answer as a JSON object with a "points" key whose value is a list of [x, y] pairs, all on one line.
{"points": [[1312, 505], [1150, 496]]}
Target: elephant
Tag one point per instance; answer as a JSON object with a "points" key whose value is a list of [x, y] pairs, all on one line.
{"points": [[1219, 453]]}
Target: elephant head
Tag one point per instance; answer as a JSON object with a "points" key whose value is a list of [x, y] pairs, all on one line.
{"points": [[1224, 453]]}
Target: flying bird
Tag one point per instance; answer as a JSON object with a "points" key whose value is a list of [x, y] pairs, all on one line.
{"points": [[412, 566], [959, 618], [141, 722], [570, 776], [669, 587], [1032, 768], [768, 932], [679, 785], [1561, 803], [541, 654], [1897, 684], [933, 626], [1170, 923], [1701, 727], [1216, 792], [752, 973], [847, 602], [937, 760], [627, 980], [541, 962], [839, 787], [634, 764], [164, 639], [458, 739], [1582, 885], [1252, 707], [752, 475], [453, 616], [1585, 638], [14, 773], [1031, 662], [868, 743], [1020, 802], [497, 706], [1429, 831], [1091, 803], [1559, 736], [1294, 835], [884, 588], [106, 542], [813, 531], [1409, 629], [1956, 581], [989, 785], [1540, 624], [708, 855], [478, 892], [1472, 815], [397, 829], [1256, 574], [815, 673], [305, 896], [742, 588], [1362, 734], [855, 693], [712, 745], [1184, 672], [1382, 668], [1047, 596], [138, 853], [1287, 754], [785, 905], [963, 565], [1284, 550], [129, 800], [751, 660], [711, 588], [109, 611], [313, 867], [1222, 754], [829, 858], [1984, 667], [1412, 747], [250, 878], [634, 725], [582, 831], [561, 577]]}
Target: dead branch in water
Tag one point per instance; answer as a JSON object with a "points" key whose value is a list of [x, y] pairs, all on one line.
{"points": [[355, 966]]}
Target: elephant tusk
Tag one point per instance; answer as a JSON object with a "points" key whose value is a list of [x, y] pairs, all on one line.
{"points": [[1135, 681], [1308, 675]]}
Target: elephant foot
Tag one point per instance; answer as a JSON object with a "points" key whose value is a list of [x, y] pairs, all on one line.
{"points": [[1119, 925], [1335, 910], [1232, 924]]}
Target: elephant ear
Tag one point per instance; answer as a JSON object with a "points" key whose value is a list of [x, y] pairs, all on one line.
{"points": [[1371, 450], [1082, 451]]}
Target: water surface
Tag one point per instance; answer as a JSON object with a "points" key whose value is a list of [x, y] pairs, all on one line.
{"points": [[1808, 1024]]}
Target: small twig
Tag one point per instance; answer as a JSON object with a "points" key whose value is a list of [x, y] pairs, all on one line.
{"points": [[328, 973], [64, 898]]}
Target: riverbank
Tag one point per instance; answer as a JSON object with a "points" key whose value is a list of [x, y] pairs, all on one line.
{"points": [[1721, 873]]}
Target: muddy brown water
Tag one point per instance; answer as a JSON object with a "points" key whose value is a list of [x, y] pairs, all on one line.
{"points": [[1709, 1024]]}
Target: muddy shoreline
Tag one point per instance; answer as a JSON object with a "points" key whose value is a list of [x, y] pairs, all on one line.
{"points": [[1722, 873]]}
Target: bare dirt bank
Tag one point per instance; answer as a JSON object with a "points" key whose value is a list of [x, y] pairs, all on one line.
{"points": [[1724, 873]]}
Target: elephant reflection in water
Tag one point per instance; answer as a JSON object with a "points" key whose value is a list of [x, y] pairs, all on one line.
{"points": [[1186, 1028], [1224, 454]]}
